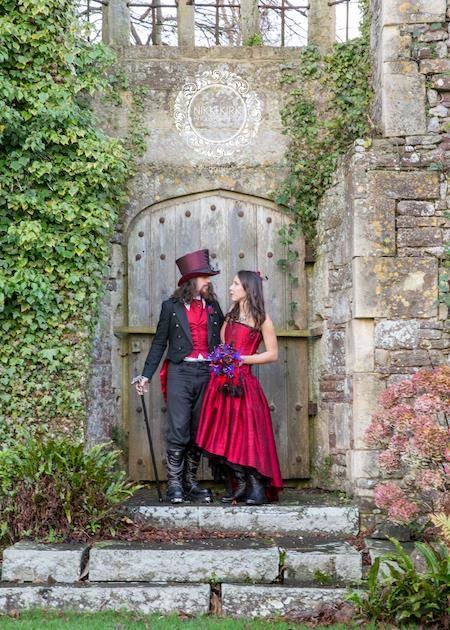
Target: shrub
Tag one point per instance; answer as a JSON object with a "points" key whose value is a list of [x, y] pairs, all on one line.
{"points": [[413, 432], [401, 594], [55, 490]]}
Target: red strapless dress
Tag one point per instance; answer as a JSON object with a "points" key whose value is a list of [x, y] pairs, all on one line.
{"points": [[239, 430]]}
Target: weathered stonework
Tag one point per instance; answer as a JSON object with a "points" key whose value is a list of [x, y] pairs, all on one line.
{"points": [[396, 193], [381, 232]]}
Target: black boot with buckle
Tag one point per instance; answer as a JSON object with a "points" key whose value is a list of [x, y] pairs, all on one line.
{"points": [[237, 491], [174, 463], [192, 489], [256, 493]]}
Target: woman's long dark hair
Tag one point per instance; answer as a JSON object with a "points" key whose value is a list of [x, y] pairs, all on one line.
{"points": [[254, 301], [188, 291]]}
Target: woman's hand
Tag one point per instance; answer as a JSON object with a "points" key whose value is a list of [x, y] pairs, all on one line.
{"points": [[142, 385]]}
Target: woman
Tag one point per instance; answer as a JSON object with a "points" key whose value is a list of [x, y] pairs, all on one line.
{"points": [[238, 429]]}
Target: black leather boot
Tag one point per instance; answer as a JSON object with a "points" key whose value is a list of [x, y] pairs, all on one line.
{"points": [[240, 488], [192, 489], [175, 462], [256, 494]]}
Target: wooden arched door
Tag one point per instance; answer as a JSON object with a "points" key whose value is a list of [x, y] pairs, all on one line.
{"points": [[241, 232]]}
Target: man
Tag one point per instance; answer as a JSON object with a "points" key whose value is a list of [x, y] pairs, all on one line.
{"points": [[190, 321]]}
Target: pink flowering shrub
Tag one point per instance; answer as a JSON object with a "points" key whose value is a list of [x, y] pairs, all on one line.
{"points": [[412, 431]]}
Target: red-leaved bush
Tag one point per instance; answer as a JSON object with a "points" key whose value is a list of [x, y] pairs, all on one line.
{"points": [[412, 431]]}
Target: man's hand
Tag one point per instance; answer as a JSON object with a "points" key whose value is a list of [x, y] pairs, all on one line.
{"points": [[141, 384]]}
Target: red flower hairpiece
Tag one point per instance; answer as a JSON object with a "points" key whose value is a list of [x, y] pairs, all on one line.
{"points": [[258, 273]]}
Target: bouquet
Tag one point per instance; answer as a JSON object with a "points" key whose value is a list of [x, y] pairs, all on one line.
{"points": [[224, 363]]}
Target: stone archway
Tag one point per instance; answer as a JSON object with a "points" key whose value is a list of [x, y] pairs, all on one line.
{"points": [[241, 232]]}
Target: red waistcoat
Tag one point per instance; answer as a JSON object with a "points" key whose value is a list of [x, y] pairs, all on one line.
{"points": [[198, 324]]}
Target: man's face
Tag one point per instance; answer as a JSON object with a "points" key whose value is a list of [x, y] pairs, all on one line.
{"points": [[202, 284]]}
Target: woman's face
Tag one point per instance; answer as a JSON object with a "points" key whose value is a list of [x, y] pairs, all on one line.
{"points": [[237, 291]]}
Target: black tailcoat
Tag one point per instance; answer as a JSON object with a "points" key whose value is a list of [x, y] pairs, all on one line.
{"points": [[173, 327]]}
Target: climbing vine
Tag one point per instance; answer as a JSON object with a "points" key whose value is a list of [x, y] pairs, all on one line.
{"points": [[62, 182], [327, 109]]}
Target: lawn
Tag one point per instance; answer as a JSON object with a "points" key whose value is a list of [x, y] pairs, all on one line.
{"points": [[129, 621]]}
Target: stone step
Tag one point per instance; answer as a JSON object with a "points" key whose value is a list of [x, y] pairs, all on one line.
{"points": [[34, 562], [277, 519], [240, 560], [240, 600], [200, 561], [192, 599]]}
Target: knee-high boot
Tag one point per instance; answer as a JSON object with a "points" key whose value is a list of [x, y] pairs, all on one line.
{"points": [[192, 489], [256, 493], [237, 491], [175, 462]]}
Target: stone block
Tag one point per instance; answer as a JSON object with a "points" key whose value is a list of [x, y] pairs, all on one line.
{"points": [[366, 390], [419, 237], [374, 226], [265, 519], [145, 599], [412, 11], [339, 560], [342, 414], [274, 601], [232, 561], [359, 346], [434, 66], [409, 358], [396, 334], [392, 287], [35, 562], [363, 464], [402, 102], [282, 519], [403, 185], [394, 45]]}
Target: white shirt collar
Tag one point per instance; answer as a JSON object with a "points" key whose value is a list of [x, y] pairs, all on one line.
{"points": [[188, 306]]}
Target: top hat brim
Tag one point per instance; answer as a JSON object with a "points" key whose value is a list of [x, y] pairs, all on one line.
{"points": [[196, 274]]}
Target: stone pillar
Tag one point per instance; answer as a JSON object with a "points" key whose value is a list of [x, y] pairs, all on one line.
{"points": [[321, 24], [116, 23], [401, 85], [186, 24], [249, 19]]}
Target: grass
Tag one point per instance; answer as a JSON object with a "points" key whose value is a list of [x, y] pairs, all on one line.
{"points": [[36, 620]]}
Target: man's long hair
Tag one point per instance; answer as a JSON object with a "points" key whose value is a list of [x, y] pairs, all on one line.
{"points": [[188, 291], [254, 300]]}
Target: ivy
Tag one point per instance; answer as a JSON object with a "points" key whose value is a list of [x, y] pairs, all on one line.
{"points": [[62, 182], [322, 128]]}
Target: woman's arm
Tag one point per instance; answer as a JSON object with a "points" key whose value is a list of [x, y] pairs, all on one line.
{"points": [[222, 332], [270, 355]]}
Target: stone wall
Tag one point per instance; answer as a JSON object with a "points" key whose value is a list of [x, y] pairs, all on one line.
{"points": [[381, 234]]}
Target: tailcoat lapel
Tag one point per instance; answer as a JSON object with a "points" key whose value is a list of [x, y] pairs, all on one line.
{"points": [[180, 310]]}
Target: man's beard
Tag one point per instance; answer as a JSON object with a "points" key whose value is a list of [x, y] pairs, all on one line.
{"points": [[208, 293]]}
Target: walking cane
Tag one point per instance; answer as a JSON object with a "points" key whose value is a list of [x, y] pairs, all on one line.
{"points": [[152, 452]]}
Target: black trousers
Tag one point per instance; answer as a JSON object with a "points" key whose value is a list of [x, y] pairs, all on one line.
{"points": [[186, 384]]}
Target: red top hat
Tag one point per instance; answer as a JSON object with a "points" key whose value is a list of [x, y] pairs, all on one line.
{"points": [[195, 264]]}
